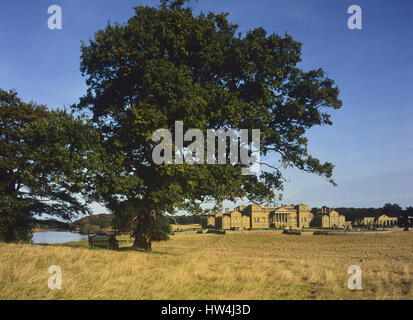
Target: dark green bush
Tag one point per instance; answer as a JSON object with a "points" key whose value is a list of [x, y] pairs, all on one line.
{"points": [[16, 227]]}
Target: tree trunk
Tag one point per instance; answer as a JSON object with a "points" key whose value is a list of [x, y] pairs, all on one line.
{"points": [[143, 230]]}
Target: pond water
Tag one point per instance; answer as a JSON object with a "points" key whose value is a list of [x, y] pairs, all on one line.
{"points": [[57, 237]]}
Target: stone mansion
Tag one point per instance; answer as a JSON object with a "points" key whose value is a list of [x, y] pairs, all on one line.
{"points": [[257, 217]]}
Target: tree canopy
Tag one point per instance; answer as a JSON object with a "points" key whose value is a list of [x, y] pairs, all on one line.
{"points": [[43, 164], [165, 65]]}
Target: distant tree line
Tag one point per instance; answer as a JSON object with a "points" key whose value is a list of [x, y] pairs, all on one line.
{"points": [[52, 224], [100, 223], [187, 219], [391, 210]]}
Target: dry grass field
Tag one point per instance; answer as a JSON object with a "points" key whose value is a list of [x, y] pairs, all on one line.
{"points": [[183, 227], [264, 265]]}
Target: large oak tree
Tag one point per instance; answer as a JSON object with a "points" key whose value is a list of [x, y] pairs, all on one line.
{"points": [[164, 65]]}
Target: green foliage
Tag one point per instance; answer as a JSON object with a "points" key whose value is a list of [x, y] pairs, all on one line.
{"points": [[99, 223], [162, 229], [100, 220], [188, 219], [391, 210], [53, 224], [43, 163], [86, 228], [166, 65], [15, 226]]}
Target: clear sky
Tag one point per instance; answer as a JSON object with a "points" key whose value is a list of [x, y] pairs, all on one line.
{"points": [[371, 141]]}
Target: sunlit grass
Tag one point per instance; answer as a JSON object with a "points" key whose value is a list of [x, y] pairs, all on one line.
{"points": [[185, 227], [265, 265]]}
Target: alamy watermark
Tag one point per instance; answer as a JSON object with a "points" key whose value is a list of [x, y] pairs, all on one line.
{"points": [[354, 282], [194, 153], [55, 280], [354, 21], [55, 20]]}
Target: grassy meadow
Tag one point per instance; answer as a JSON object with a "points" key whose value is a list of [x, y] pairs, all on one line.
{"points": [[184, 227], [253, 265]]}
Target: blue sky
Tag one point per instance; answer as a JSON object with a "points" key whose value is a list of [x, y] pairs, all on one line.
{"points": [[370, 142]]}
